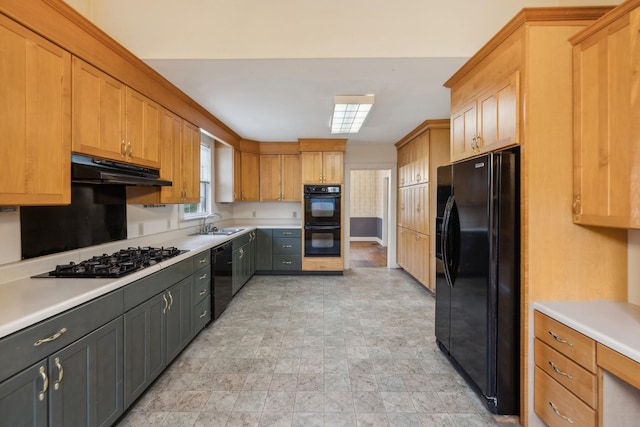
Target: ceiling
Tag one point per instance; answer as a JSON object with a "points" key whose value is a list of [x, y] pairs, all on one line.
{"points": [[287, 99]]}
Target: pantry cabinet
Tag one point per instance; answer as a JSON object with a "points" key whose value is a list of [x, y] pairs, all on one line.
{"points": [[606, 162], [35, 118], [419, 154], [280, 178]]}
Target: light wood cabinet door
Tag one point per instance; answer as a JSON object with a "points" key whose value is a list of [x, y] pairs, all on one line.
{"points": [[421, 208], [270, 172], [311, 167], [190, 162], [142, 129], [333, 167], [291, 178], [250, 167], [35, 118], [98, 113], [171, 152], [463, 132], [237, 175], [606, 160], [498, 116]]}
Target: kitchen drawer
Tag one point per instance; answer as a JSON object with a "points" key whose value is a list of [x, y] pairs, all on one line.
{"points": [[322, 264], [141, 290], [556, 405], [577, 347], [201, 260], [201, 315], [286, 245], [287, 262], [27, 346], [286, 232], [241, 240], [574, 377], [201, 284]]}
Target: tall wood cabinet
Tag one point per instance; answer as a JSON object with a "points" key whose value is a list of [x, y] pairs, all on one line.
{"points": [[559, 260], [606, 109], [35, 111], [419, 155]]}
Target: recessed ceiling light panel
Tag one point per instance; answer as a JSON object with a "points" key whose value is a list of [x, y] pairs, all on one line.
{"points": [[349, 112]]}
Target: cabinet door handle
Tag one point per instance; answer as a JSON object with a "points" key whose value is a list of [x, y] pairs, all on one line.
{"points": [[45, 383], [51, 338], [241, 252], [560, 340], [204, 276], [123, 149], [558, 371], [202, 292], [166, 304], [577, 206], [558, 413], [130, 149], [56, 384], [170, 300]]}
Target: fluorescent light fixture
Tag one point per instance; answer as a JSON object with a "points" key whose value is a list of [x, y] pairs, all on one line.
{"points": [[349, 112]]}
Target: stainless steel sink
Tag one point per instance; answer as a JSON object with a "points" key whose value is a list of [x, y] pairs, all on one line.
{"points": [[219, 232]]}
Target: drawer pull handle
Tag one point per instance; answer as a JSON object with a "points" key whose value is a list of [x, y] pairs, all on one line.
{"points": [[202, 292], [204, 276], [51, 338], [286, 233], [286, 262], [558, 371], [558, 413], [45, 383], [56, 384], [560, 340], [204, 313], [203, 260], [287, 246]]}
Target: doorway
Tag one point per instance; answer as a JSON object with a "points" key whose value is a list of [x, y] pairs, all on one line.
{"points": [[368, 207]]}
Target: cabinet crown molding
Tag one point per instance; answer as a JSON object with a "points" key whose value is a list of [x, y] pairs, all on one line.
{"points": [[423, 127]]}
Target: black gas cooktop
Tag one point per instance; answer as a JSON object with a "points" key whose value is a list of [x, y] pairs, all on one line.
{"points": [[116, 265]]}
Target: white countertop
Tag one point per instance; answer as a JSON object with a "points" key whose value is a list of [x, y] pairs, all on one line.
{"points": [[614, 324], [27, 301]]}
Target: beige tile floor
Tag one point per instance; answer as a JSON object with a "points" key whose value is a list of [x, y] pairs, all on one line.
{"points": [[352, 350]]}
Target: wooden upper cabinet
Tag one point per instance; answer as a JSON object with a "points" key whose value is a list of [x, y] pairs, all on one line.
{"points": [[35, 112], [113, 121], [606, 162], [270, 168], [280, 177], [142, 129], [488, 122], [171, 152], [250, 181], [237, 175], [98, 113], [190, 162], [322, 167]]}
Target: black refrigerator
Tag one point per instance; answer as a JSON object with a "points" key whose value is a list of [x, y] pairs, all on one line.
{"points": [[478, 274]]}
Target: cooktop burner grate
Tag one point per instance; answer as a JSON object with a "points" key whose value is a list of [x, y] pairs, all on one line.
{"points": [[115, 265]]}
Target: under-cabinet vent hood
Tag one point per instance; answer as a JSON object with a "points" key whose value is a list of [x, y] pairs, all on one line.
{"points": [[90, 170]]}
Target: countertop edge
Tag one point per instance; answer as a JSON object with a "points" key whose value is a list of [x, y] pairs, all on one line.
{"points": [[614, 324]]}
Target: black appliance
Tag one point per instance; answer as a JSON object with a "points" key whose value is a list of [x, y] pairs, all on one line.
{"points": [[115, 265], [91, 170], [322, 220], [478, 274], [97, 214], [322, 205], [222, 265], [322, 240]]}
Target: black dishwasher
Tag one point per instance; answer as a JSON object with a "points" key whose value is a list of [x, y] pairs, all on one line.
{"points": [[222, 258]]}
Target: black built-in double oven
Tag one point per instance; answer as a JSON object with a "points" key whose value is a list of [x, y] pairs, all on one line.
{"points": [[322, 220]]}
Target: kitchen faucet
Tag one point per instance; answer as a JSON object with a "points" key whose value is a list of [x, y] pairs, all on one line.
{"points": [[204, 227]]}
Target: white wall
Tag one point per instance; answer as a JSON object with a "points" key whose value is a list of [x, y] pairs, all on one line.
{"points": [[634, 266]]}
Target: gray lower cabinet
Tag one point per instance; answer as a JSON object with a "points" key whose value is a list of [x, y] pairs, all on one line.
{"points": [[201, 291], [155, 332], [263, 249], [243, 261], [80, 385]]}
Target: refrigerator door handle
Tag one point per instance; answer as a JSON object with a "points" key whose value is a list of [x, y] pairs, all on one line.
{"points": [[451, 241], [446, 222]]}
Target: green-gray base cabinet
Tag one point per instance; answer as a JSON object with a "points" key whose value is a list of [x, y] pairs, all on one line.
{"points": [[279, 251], [243, 260]]}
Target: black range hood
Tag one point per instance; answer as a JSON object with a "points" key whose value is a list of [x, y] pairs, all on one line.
{"points": [[88, 170]]}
